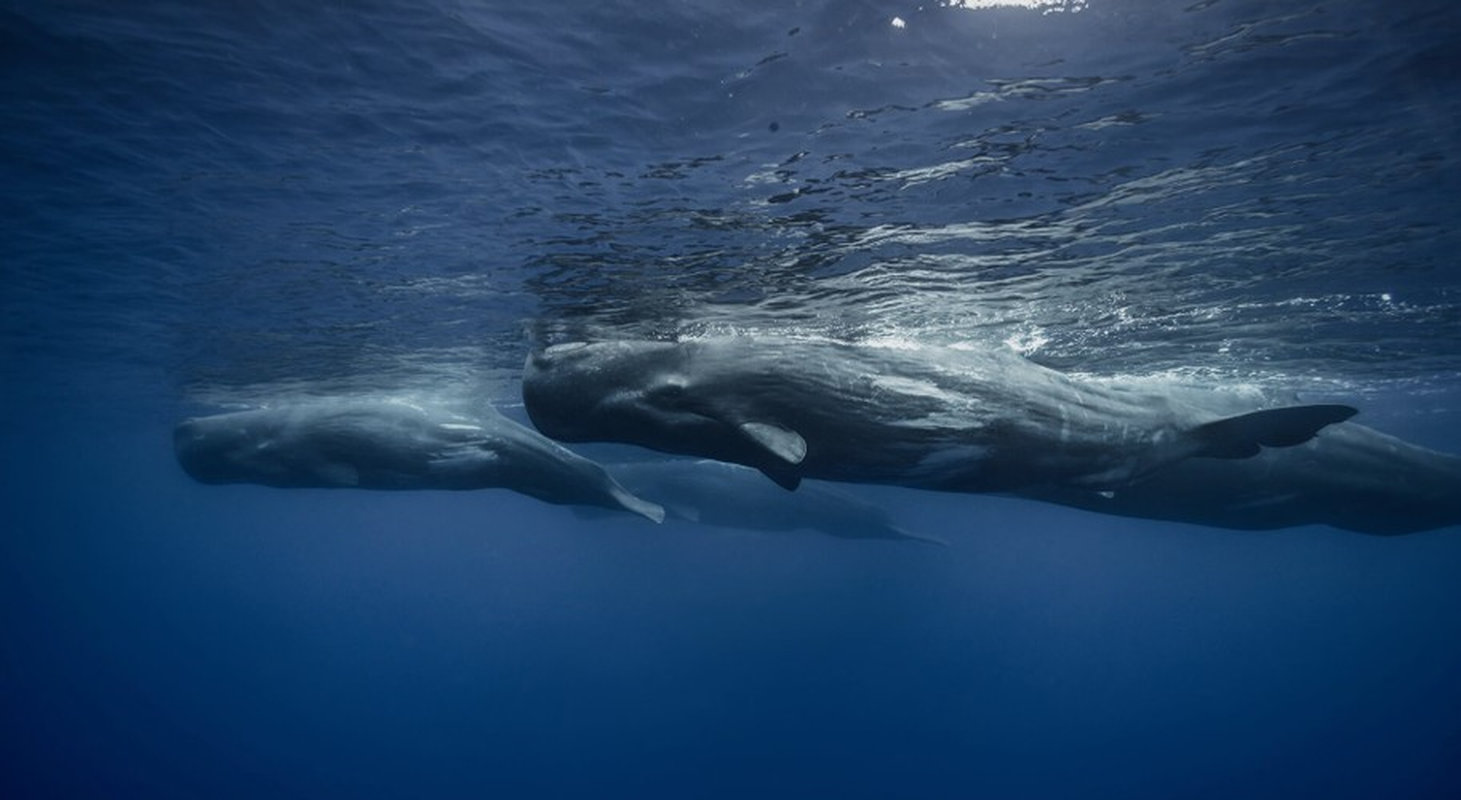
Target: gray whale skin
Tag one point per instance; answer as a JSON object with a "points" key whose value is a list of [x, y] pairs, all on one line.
{"points": [[1349, 477], [392, 445], [938, 418]]}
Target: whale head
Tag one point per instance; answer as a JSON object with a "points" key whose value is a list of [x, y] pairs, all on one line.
{"points": [[227, 448], [667, 396], [584, 391]]}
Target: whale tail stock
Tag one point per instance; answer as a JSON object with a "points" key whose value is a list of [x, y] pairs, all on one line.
{"points": [[1245, 435]]}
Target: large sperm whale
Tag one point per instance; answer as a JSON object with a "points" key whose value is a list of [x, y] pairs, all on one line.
{"points": [[367, 444], [939, 418]]}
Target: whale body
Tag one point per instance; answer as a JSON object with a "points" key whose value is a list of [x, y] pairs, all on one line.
{"points": [[732, 496], [393, 445], [1349, 477], [938, 418]]}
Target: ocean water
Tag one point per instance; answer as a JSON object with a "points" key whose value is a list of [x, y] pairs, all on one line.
{"points": [[215, 205]]}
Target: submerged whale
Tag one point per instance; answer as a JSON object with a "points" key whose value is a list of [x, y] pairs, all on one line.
{"points": [[393, 445], [1349, 477], [937, 418], [731, 496]]}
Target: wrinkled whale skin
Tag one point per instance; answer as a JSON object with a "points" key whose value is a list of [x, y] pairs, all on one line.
{"points": [[1349, 477], [940, 418]]}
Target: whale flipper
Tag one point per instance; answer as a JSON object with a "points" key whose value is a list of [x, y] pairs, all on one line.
{"points": [[651, 511], [1245, 435], [787, 445]]}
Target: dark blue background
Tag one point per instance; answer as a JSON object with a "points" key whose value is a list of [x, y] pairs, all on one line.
{"points": [[162, 639]]}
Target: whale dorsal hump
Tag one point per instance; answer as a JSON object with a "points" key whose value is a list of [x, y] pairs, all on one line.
{"points": [[786, 445], [1246, 434]]}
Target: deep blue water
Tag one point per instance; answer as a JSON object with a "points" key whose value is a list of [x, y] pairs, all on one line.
{"points": [[210, 205]]}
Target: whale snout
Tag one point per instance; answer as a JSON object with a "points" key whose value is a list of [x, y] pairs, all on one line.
{"points": [[188, 437], [205, 451], [190, 445]]}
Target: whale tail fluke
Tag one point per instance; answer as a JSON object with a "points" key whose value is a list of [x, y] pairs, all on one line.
{"points": [[1245, 435]]}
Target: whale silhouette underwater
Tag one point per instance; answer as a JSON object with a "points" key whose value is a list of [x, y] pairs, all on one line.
{"points": [[944, 419], [956, 420], [367, 444], [392, 445], [923, 417]]}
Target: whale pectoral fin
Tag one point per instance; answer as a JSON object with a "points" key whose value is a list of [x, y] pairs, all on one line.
{"points": [[787, 445], [1246, 434]]}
